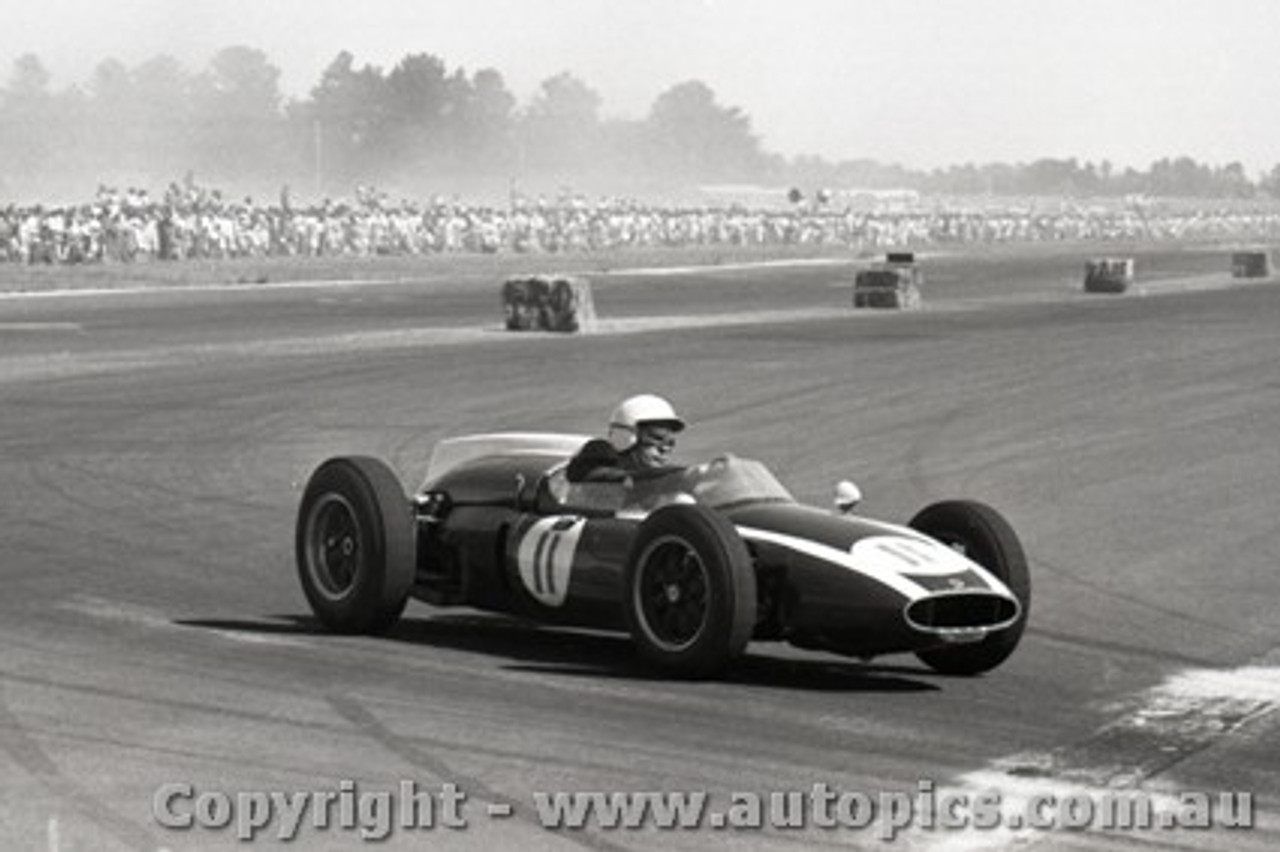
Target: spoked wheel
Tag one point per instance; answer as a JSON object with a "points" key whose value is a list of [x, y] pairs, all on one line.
{"points": [[355, 545], [672, 593], [985, 537], [690, 591], [335, 549]]}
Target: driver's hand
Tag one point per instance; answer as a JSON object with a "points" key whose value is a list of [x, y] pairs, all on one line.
{"points": [[607, 474]]}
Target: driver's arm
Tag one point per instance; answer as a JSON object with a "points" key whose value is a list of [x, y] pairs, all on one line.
{"points": [[597, 461]]}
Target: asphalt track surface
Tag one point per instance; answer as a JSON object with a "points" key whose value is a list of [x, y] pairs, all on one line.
{"points": [[152, 630]]}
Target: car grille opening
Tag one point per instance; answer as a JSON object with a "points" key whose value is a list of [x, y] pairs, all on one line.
{"points": [[961, 610]]}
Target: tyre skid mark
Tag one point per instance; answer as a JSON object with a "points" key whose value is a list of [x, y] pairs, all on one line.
{"points": [[1110, 649], [146, 618], [1138, 601], [193, 707], [358, 715], [109, 610], [87, 692], [31, 757]]}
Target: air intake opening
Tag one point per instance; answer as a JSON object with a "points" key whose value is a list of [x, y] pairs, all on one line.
{"points": [[962, 610]]}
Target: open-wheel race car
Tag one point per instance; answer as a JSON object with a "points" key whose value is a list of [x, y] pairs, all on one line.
{"points": [[693, 562]]}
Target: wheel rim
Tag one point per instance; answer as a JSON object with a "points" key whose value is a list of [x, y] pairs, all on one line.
{"points": [[335, 551], [672, 594]]}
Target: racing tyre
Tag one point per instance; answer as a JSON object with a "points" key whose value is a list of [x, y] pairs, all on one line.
{"points": [[690, 591], [355, 545], [984, 536]]}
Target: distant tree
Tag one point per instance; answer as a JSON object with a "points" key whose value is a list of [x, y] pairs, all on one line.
{"points": [[966, 179], [112, 84], [162, 94], [1232, 182], [1269, 184], [30, 79], [28, 119], [1130, 182], [1053, 177], [111, 118], [237, 101], [561, 128], [349, 112], [1106, 170], [485, 121], [690, 134], [416, 110], [1179, 177]]}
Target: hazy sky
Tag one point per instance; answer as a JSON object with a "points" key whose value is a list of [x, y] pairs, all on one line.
{"points": [[923, 83]]}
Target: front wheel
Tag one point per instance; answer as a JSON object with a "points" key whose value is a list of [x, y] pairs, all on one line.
{"points": [[355, 545], [984, 536], [690, 591]]}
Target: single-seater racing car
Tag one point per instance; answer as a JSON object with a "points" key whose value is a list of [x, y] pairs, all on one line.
{"points": [[693, 562]]}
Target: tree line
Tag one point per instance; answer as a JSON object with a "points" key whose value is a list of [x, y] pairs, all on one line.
{"points": [[422, 125]]}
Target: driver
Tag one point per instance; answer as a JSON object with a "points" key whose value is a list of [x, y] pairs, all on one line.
{"points": [[642, 435]]}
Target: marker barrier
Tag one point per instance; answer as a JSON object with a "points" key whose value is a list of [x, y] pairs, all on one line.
{"points": [[548, 303], [893, 284], [1109, 275], [1250, 264]]}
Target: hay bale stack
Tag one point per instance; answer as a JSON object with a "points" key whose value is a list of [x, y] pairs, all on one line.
{"points": [[1250, 264], [548, 303], [893, 284], [1109, 275]]}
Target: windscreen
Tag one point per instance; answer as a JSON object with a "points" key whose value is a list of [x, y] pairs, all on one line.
{"points": [[724, 481]]}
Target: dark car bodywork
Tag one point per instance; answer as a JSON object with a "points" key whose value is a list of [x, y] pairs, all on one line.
{"points": [[499, 528]]}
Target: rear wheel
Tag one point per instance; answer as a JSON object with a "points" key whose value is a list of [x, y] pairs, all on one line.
{"points": [[355, 546], [690, 591], [984, 536]]}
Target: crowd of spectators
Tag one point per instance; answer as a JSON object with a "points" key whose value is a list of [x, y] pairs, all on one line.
{"points": [[194, 222]]}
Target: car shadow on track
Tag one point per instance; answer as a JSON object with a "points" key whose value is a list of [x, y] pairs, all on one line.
{"points": [[572, 652]]}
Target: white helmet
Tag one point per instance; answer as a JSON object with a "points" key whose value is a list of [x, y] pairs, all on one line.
{"points": [[634, 411], [848, 495]]}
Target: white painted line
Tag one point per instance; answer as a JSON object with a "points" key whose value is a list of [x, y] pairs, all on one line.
{"points": [[659, 271], [174, 289], [41, 326], [639, 325]]}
